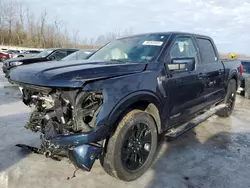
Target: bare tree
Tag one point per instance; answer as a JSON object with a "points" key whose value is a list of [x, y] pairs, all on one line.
{"points": [[127, 32], [20, 22], [105, 38], [10, 12], [18, 26], [75, 37], [65, 37], [58, 25], [1, 23], [42, 28]]}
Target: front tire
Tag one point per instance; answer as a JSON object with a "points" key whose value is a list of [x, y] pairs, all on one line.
{"points": [[131, 149], [229, 99]]}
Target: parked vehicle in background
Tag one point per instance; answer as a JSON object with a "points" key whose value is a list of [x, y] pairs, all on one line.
{"points": [[3, 50], [12, 51], [79, 55], [26, 53], [114, 105], [245, 73], [4, 56], [46, 55]]}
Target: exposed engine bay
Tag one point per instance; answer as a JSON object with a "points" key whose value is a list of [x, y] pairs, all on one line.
{"points": [[60, 112]]}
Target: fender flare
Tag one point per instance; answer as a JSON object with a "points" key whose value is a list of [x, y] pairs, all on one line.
{"points": [[233, 74], [155, 107]]}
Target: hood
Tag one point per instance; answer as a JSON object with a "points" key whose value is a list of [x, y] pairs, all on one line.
{"points": [[71, 73]]}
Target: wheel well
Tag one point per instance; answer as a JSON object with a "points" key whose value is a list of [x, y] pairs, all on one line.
{"points": [[235, 78], [151, 109], [143, 105]]}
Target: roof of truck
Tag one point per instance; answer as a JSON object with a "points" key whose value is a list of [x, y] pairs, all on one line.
{"points": [[169, 33]]}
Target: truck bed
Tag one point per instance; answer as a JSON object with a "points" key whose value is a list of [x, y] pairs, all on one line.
{"points": [[230, 66]]}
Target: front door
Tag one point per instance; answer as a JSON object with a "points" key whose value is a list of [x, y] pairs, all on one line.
{"points": [[185, 88]]}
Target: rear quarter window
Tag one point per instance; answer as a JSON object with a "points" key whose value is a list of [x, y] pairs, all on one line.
{"points": [[207, 51]]}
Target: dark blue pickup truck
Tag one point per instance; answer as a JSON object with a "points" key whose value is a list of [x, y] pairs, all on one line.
{"points": [[114, 105]]}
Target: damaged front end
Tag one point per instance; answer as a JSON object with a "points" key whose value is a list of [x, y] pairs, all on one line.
{"points": [[67, 120]]}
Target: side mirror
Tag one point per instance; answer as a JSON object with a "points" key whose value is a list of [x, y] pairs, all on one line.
{"points": [[182, 64]]}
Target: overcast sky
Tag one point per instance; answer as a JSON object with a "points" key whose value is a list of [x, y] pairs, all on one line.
{"points": [[227, 21]]}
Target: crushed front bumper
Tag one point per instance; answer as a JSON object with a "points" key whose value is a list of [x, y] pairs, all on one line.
{"points": [[82, 148], [84, 156], [83, 153]]}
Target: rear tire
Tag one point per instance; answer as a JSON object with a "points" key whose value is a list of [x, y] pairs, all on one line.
{"points": [[131, 149], [229, 99]]}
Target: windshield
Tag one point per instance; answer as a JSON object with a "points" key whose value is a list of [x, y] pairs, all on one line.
{"points": [[133, 49], [44, 53], [246, 67], [78, 55]]}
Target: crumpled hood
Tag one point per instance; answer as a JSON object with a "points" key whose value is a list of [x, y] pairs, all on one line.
{"points": [[70, 73]]}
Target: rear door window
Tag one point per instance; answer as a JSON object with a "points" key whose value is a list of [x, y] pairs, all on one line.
{"points": [[207, 51]]}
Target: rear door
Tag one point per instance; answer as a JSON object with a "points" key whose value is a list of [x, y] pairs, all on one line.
{"points": [[212, 69]]}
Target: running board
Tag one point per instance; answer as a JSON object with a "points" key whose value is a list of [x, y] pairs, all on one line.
{"points": [[178, 131]]}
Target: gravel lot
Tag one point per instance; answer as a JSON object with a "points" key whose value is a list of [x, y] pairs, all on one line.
{"points": [[214, 154]]}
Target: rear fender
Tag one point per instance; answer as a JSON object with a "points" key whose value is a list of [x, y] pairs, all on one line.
{"points": [[234, 75]]}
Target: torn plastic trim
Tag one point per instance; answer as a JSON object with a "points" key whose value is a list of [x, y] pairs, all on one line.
{"points": [[95, 135], [84, 156]]}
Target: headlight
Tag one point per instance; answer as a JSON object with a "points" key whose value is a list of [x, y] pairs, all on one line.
{"points": [[16, 63]]}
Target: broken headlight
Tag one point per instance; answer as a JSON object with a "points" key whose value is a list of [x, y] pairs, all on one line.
{"points": [[86, 109]]}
